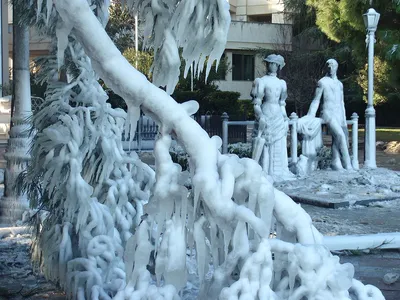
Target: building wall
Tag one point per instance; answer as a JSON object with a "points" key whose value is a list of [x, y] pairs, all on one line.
{"points": [[241, 86], [37, 45], [252, 35], [249, 38], [244, 10], [4, 44]]}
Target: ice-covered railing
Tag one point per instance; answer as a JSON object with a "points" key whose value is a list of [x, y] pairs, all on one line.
{"points": [[353, 122], [293, 135], [144, 137]]}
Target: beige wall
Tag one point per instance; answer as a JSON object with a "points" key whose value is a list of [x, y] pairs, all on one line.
{"points": [[247, 38], [4, 43], [242, 9], [249, 35], [241, 86], [37, 44]]}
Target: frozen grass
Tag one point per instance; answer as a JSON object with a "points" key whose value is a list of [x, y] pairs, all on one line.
{"points": [[385, 134]]}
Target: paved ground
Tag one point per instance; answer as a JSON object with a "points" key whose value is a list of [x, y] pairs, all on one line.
{"points": [[376, 218], [333, 189], [17, 279], [371, 269]]}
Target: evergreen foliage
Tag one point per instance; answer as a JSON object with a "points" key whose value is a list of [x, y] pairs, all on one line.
{"points": [[141, 60], [121, 26], [342, 22]]}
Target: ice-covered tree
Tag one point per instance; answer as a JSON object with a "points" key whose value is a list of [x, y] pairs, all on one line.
{"points": [[208, 233]]}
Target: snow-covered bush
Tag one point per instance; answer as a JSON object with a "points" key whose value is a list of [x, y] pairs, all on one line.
{"points": [[94, 241], [324, 158], [240, 149], [179, 156]]}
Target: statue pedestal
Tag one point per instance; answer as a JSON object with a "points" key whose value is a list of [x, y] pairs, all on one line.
{"points": [[335, 189]]}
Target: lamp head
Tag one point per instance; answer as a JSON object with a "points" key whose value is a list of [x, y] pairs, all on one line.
{"points": [[371, 19]]}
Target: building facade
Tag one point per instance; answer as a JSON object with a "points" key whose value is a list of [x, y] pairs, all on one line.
{"points": [[38, 45], [257, 25]]}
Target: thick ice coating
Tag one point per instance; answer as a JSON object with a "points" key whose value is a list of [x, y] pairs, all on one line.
{"points": [[97, 242]]}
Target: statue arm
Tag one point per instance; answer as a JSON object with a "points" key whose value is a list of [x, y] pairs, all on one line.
{"points": [[343, 108], [282, 99], [312, 111], [257, 93]]}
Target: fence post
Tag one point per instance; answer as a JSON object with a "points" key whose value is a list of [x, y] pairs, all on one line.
{"points": [[139, 132], [225, 119], [354, 140], [293, 137]]}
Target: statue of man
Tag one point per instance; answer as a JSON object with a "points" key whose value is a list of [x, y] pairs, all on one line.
{"points": [[269, 94], [330, 90]]}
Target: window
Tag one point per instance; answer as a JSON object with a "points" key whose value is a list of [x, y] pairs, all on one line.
{"points": [[243, 67], [261, 18], [220, 73]]}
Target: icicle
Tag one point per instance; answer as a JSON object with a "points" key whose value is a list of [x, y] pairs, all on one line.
{"points": [[62, 32], [65, 252], [39, 9], [240, 240], [166, 64], [214, 243], [49, 7], [175, 271], [201, 248], [227, 240], [195, 200], [142, 252]]}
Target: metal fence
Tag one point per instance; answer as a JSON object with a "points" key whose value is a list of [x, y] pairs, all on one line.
{"points": [[353, 122], [212, 124], [147, 130], [145, 135], [36, 103]]}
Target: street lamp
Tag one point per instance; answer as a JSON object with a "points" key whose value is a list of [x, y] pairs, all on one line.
{"points": [[371, 19]]}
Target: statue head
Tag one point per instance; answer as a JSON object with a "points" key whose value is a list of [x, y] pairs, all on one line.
{"points": [[331, 67], [274, 62]]}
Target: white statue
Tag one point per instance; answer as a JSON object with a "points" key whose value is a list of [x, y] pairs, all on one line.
{"points": [[269, 94], [311, 131], [330, 90]]}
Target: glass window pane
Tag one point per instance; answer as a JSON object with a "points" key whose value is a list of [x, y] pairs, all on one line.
{"points": [[242, 67], [248, 67], [237, 60]]}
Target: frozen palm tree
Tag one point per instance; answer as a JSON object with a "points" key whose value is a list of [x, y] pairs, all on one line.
{"points": [[13, 204], [93, 241]]}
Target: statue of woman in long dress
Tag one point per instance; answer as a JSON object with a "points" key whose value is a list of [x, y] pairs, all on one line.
{"points": [[269, 94]]}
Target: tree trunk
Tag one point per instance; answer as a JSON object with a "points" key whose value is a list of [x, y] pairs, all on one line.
{"points": [[13, 205]]}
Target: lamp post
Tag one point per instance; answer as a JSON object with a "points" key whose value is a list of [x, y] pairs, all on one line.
{"points": [[136, 41], [371, 19]]}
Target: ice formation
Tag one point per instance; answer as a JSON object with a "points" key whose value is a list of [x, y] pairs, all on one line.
{"points": [[95, 242], [199, 27]]}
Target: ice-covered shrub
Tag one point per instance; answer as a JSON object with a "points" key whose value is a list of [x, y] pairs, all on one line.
{"points": [[179, 156], [94, 192], [240, 149], [324, 158]]}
